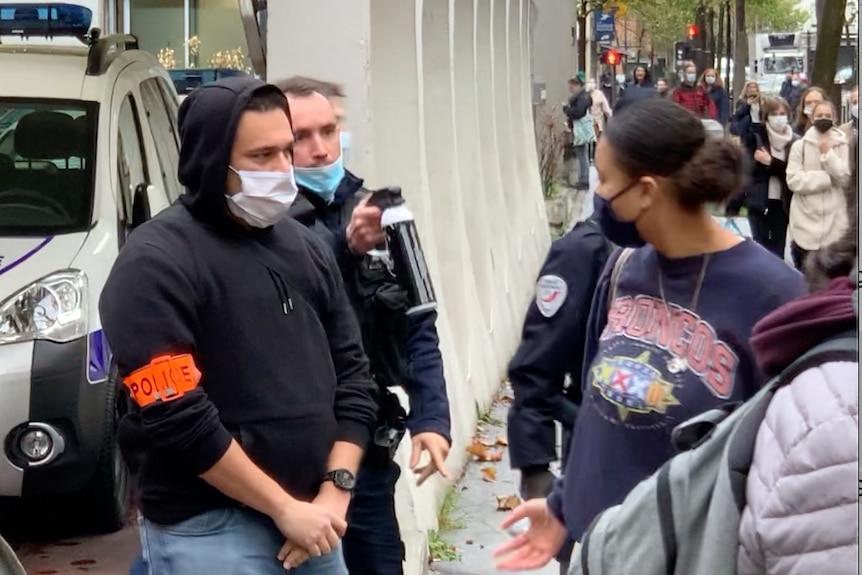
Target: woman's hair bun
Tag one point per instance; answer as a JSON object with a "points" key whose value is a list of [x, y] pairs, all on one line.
{"points": [[713, 175]]}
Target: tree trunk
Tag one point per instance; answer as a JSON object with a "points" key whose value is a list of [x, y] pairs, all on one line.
{"points": [[828, 44], [728, 43], [712, 46], [740, 49], [582, 37], [719, 40]]}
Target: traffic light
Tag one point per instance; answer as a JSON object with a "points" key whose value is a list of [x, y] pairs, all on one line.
{"points": [[610, 57], [683, 51], [691, 31]]}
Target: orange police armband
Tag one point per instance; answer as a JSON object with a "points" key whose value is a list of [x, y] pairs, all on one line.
{"points": [[166, 378]]}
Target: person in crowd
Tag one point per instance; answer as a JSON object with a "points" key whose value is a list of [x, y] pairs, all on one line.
{"points": [[270, 404], [851, 127], [787, 85], [808, 442], [799, 85], [817, 172], [664, 343], [693, 97], [767, 196], [336, 96], [749, 101], [662, 88], [579, 121], [550, 352], [404, 350], [808, 98], [640, 88], [601, 112], [711, 83]]}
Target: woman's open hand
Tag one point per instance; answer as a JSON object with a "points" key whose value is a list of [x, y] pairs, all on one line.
{"points": [[535, 547]]}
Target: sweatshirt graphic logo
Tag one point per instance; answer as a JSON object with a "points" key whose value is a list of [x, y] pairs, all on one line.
{"points": [[687, 338], [633, 385]]}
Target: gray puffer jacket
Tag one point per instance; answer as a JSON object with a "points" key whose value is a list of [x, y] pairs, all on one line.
{"points": [[801, 515]]}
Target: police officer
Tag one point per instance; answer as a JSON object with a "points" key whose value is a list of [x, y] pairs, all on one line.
{"points": [[235, 339], [403, 350], [552, 351]]}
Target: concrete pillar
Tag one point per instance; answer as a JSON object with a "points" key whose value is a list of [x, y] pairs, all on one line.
{"points": [[439, 104]]}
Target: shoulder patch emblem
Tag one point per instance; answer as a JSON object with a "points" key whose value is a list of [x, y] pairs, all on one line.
{"points": [[551, 292]]}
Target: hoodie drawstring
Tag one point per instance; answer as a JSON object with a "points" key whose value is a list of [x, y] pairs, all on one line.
{"points": [[281, 289]]}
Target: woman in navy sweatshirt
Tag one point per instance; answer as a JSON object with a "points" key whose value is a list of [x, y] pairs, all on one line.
{"points": [[671, 341]]}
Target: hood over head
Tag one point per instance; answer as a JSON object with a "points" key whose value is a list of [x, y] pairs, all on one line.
{"points": [[208, 120], [794, 328]]}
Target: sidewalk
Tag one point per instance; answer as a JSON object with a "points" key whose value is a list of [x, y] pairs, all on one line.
{"points": [[470, 519]]}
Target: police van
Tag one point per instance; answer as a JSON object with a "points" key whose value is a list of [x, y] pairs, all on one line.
{"points": [[88, 152]]}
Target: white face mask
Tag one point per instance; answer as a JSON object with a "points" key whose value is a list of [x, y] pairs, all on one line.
{"points": [[808, 110], [854, 110], [591, 86], [777, 122], [710, 79], [264, 197]]}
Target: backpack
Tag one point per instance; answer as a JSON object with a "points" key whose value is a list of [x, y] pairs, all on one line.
{"points": [[696, 499]]}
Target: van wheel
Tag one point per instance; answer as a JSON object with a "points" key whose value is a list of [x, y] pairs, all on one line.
{"points": [[106, 499]]}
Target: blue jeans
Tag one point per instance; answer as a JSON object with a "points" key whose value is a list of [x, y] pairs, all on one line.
{"points": [[372, 544], [583, 155], [227, 542]]}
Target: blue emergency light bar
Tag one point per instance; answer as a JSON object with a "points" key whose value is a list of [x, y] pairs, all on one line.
{"points": [[46, 20]]}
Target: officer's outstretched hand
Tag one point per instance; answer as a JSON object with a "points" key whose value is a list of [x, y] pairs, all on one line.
{"points": [[535, 547], [311, 527], [437, 447], [364, 232]]}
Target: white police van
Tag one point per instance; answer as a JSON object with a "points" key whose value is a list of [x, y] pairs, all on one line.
{"points": [[88, 151]]}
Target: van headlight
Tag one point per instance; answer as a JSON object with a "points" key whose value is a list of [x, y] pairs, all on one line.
{"points": [[53, 308]]}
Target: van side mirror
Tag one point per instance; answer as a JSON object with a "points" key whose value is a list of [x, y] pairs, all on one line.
{"points": [[140, 206]]}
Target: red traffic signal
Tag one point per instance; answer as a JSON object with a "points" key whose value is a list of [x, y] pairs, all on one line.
{"points": [[610, 57], [692, 31]]}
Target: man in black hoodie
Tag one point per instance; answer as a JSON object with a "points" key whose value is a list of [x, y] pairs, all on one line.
{"points": [[234, 337]]}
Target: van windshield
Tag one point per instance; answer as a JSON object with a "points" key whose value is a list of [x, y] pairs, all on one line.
{"points": [[47, 161]]}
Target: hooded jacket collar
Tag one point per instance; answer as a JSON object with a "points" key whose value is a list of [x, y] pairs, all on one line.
{"points": [[794, 328]]}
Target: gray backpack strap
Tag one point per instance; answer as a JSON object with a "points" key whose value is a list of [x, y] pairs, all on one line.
{"points": [[740, 452], [621, 260]]}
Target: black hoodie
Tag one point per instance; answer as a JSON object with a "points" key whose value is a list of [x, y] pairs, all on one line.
{"points": [[263, 314]]}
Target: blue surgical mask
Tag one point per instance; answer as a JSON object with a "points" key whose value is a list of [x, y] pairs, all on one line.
{"points": [[346, 145], [623, 234], [691, 78], [323, 180]]}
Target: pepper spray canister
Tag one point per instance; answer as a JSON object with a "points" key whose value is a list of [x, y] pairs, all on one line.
{"points": [[405, 250]]}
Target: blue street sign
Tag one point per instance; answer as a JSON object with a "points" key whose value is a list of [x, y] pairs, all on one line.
{"points": [[604, 26]]}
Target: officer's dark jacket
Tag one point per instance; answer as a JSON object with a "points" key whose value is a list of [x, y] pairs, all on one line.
{"points": [[261, 313], [552, 347], [422, 374]]}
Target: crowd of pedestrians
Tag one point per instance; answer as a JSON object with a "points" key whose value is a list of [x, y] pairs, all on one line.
{"points": [[669, 321]]}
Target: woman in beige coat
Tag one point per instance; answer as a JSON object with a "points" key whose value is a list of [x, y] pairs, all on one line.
{"points": [[817, 171]]}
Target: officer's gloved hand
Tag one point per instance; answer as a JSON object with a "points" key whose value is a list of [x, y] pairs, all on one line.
{"points": [[536, 482]]}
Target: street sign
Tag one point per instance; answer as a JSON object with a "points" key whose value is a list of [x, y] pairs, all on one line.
{"points": [[605, 27], [618, 9]]}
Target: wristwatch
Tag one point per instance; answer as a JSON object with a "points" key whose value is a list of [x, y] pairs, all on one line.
{"points": [[342, 478]]}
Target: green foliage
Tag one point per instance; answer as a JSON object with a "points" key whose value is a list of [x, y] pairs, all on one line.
{"points": [[774, 15], [439, 549]]}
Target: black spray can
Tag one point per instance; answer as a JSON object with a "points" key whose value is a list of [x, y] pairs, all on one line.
{"points": [[404, 250]]}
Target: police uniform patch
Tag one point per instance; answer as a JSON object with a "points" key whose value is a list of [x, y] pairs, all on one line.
{"points": [[551, 293]]}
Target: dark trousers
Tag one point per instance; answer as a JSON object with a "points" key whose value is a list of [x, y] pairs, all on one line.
{"points": [[372, 544], [769, 228], [799, 255]]}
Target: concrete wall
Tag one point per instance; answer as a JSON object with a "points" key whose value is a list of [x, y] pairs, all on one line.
{"points": [[439, 102], [555, 51]]}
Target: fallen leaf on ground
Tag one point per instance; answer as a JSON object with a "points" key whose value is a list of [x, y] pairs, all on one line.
{"points": [[507, 502], [481, 452], [502, 441], [489, 473]]}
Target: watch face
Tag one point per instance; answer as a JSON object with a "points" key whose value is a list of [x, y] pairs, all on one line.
{"points": [[344, 479]]}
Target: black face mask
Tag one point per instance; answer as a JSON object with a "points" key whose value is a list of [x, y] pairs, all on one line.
{"points": [[823, 125]]}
